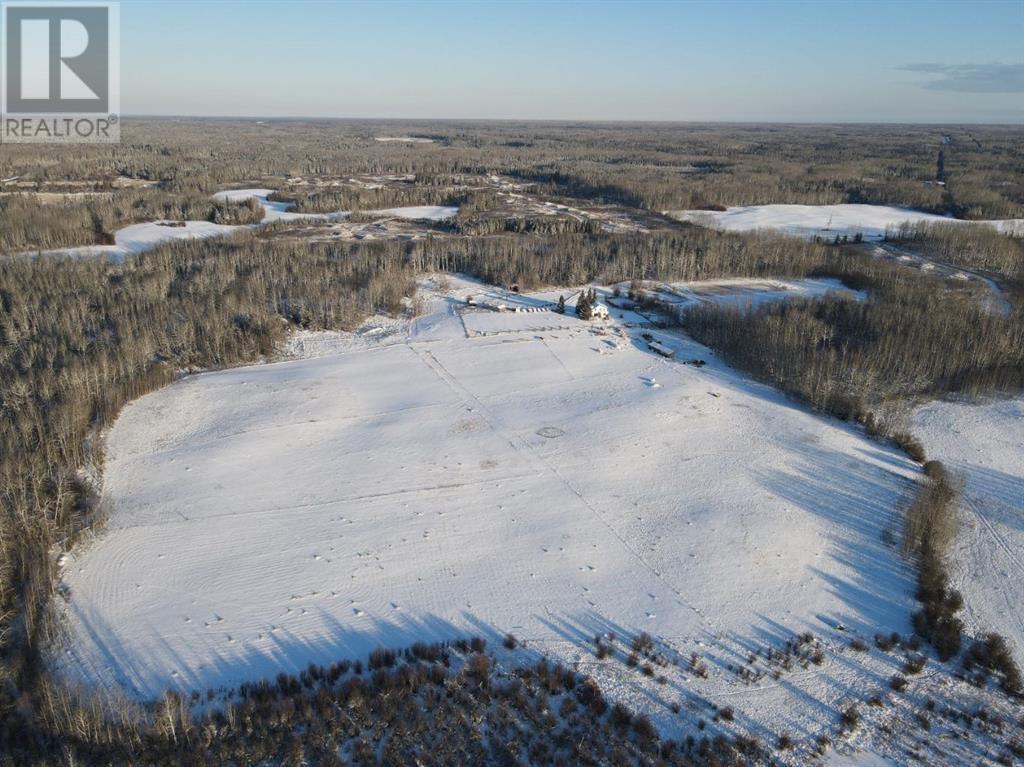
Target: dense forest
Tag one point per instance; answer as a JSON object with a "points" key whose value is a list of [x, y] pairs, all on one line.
{"points": [[973, 247], [654, 167], [912, 337], [29, 225]]}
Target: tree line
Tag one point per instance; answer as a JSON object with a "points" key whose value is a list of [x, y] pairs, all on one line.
{"points": [[27, 224], [656, 167], [914, 336]]}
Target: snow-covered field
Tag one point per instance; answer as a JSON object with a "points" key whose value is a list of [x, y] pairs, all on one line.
{"points": [[279, 211], [743, 292], [419, 212], [404, 139], [984, 444], [272, 211], [138, 238], [827, 221], [479, 472]]}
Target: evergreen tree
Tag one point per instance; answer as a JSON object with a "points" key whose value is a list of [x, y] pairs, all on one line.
{"points": [[584, 309]]}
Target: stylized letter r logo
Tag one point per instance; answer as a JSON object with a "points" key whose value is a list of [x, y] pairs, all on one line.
{"points": [[57, 59]]}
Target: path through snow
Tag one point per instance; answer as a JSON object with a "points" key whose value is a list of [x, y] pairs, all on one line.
{"points": [[486, 473]]}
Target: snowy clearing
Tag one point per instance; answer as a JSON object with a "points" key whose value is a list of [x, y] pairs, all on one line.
{"points": [[279, 211], [984, 444], [272, 211], [746, 293], [404, 139], [826, 221], [419, 212], [482, 472], [138, 238], [862, 759]]}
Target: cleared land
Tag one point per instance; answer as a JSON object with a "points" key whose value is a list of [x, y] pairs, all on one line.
{"points": [[826, 221], [540, 476], [984, 444], [138, 238]]}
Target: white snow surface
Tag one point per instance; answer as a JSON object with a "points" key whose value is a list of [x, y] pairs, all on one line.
{"points": [[273, 211], [858, 759], [527, 477], [421, 212], [827, 221], [984, 444], [138, 238], [278, 211], [743, 292], [404, 139]]}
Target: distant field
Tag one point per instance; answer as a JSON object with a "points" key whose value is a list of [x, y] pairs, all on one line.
{"points": [[872, 222]]}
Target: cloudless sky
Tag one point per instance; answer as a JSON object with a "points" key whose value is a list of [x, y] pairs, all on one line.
{"points": [[923, 61]]}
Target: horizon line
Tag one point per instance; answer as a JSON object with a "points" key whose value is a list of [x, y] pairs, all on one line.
{"points": [[571, 120]]}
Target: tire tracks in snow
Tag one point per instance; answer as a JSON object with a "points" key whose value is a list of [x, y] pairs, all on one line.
{"points": [[996, 536], [1007, 549], [521, 446]]}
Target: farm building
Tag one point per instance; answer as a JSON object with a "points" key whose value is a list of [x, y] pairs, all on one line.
{"points": [[659, 348]]}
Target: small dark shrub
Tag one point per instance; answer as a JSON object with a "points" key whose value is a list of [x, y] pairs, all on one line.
{"points": [[382, 658], [850, 718], [910, 445], [643, 728], [887, 642], [914, 664], [620, 716], [590, 695], [992, 656], [643, 643]]}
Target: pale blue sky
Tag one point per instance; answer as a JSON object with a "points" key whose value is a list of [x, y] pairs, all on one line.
{"points": [[924, 61]]}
